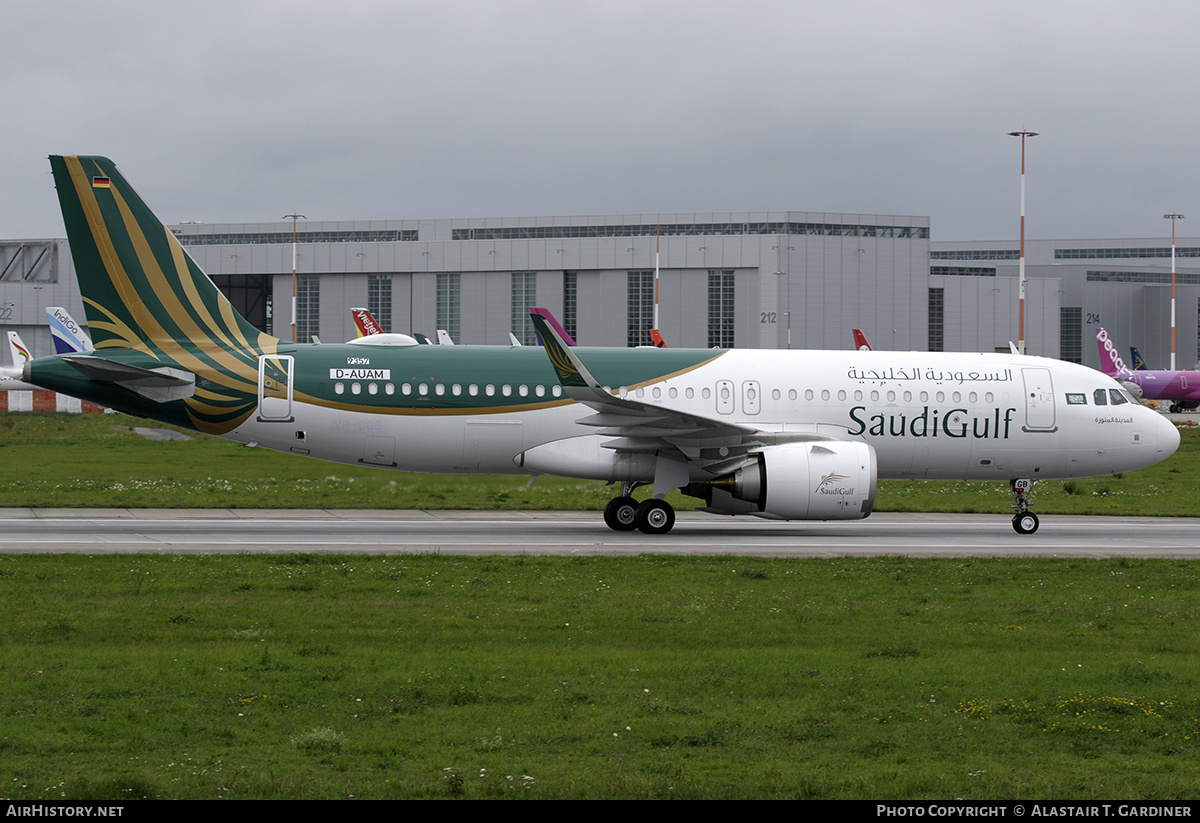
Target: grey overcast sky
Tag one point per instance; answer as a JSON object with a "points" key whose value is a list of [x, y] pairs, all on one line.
{"points": [[242, 111]]}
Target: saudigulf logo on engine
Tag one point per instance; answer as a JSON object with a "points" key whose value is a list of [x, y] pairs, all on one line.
{"points": [[824, 488]]}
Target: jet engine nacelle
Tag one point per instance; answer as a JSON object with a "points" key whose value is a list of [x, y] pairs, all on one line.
{"points": [[821, 480]]}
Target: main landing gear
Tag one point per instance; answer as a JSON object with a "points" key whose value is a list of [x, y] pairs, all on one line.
{"points": [[1024, 521], [625, 514]]}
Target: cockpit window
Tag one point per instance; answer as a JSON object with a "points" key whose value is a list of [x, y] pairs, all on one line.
{"points": [[1118, 397], [1100, 397]]}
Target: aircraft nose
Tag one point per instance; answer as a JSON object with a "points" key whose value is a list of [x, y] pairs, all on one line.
{"points": [[1166, 436]]}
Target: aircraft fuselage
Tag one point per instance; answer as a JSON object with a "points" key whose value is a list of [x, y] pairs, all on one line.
{"points": [[468, 409]]}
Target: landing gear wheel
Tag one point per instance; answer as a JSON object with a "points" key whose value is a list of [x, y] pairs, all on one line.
{"points": [[620, 514], [655, 517], [1025, 523]]}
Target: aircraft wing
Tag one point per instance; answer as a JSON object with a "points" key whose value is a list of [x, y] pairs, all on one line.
{"points": [[644, 427]]}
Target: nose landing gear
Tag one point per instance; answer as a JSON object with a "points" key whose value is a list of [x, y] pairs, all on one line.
{"points": [[1024, 521]]}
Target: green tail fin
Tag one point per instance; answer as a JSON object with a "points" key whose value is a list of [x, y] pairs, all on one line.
{"points": [[140, 289], [150, 306]]}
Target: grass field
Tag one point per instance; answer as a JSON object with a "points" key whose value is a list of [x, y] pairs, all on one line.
{"points": [[97, 460], [309, 676], [421, 676]]}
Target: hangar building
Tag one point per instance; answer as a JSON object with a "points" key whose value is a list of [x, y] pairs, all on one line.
{"points": [[743, 279]]}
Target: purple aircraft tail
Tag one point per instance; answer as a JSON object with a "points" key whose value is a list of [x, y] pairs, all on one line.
{"points": [[1110, 359]]}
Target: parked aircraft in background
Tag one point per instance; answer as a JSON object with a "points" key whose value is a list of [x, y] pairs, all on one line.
{"points": [[655, 337], [1136, 360], [18, 350], [10, 376], [365, 324], [68, 335], [370, 333], [860, 340], [1180, 388], [785, 435]]}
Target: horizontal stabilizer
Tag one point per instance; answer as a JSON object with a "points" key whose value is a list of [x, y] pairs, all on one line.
{"points": [[160, 385]]}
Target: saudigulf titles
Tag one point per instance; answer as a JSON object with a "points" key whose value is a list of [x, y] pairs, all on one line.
{"points": [[957, 423]]}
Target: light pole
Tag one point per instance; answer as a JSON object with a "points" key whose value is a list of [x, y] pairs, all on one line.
{"points": [[1173, 218], [657, 237], [294, 217], [1021, 268]]}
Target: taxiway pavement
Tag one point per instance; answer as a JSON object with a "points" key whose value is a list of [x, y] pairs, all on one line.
{"points": [[227, 531]]}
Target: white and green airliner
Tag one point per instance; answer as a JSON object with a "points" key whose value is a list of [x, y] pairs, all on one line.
{"points": [[790, 435]]}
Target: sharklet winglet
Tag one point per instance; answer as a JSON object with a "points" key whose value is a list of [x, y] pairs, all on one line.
{"points": [[570, 370]]}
